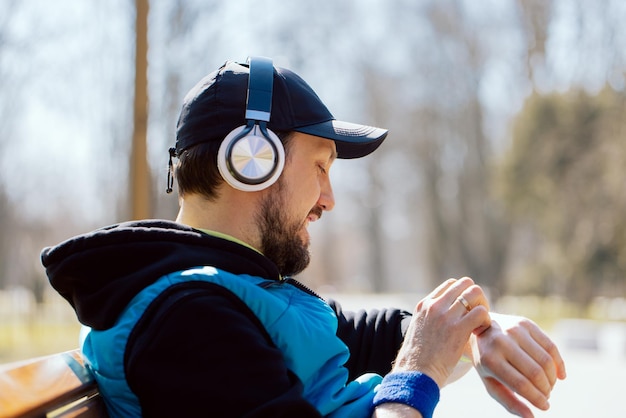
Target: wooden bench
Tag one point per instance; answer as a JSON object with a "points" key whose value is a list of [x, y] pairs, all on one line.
{"points": [[53, 386]]}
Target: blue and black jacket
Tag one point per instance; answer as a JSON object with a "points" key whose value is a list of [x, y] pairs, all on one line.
{"points": [[184, 323]]}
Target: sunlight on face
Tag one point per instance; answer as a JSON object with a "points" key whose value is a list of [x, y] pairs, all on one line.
{"points": [[299, 197]]}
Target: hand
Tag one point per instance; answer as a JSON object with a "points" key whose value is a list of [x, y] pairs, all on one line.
{"points": [[515, 356], [440, 328]]}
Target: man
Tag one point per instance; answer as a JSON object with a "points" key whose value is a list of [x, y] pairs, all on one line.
{"points": [[202, 317]]}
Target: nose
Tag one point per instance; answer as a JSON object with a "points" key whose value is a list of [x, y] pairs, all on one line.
{"points": [[327, 198]]}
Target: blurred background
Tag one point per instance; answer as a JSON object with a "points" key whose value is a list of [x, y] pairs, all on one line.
{"points": [[506, 158]]}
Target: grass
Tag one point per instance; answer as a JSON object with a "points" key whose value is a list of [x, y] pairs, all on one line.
{"points": [[20, 340], [31, 330]]}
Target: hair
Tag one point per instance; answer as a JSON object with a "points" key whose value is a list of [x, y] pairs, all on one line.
{"points": [[197, 172]]}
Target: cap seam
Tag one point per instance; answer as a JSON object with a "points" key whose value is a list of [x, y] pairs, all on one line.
{"points": [[218, 84], [288, 97]]}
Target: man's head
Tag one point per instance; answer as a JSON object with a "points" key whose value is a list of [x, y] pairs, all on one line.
{"points": [[218, 104]]}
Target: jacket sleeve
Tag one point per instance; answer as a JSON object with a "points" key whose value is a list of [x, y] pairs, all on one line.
{"points": [[373, 337], [201, 352]]}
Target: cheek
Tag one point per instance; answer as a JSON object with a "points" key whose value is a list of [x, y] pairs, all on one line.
{"points": [[312, 192], [303, 188], [303, 201]]}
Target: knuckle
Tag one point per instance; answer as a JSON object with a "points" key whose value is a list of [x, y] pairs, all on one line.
{"points": [[518, 383], [467, 280], [545, 360], [549, 346], [522, 386], [500, 343], [516, 332], [481, 314], [489, 362], [474, 291], [528, 324], [536, 373], [420, 305]]}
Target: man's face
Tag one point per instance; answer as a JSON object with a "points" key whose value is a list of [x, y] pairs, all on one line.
{"points": [[300, 195]]}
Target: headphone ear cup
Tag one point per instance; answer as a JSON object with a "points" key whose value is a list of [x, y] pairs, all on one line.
{"points": [[249, 160]]}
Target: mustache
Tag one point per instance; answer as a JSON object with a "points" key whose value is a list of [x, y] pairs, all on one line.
{"points": [[317, 211]]}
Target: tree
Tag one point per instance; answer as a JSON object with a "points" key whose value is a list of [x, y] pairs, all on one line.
{"points": [[463, 230], [139, 169], [563, 179]]}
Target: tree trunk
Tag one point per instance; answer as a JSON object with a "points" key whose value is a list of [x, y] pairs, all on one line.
{"points": [[140, 171]]}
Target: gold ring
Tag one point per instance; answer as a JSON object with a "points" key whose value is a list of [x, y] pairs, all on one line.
{"points": [[464, 303]]}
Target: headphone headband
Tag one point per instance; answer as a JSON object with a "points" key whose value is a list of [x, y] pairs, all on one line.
{"points": [[251, 157], [260, 86]]}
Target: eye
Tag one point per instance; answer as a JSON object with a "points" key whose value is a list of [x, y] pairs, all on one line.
{"points": [[322, 168]]}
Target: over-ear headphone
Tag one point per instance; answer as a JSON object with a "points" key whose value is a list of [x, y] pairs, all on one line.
{"points": [[251, 157]]}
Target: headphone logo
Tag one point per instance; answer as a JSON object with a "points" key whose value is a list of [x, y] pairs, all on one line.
{"points": [[251, 157]]}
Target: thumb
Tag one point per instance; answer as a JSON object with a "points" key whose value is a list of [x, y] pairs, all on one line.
{"points": [[479, 319]]}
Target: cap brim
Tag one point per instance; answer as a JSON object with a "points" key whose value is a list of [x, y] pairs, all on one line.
{"points": [[352, 140]]}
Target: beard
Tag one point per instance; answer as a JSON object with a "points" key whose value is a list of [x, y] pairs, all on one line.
{"points": [[280, 240]]}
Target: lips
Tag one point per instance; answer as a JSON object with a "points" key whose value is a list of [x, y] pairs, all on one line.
{"points": [[315, 214]]}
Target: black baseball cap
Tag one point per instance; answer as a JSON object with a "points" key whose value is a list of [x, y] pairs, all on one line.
{"points": [[217, 105]]}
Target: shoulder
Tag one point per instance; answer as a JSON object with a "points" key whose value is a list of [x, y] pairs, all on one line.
{"points": [[199, 342], [191, 309]]}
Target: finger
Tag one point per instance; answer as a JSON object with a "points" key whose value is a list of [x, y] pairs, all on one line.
{"points": [[436, 293], [533, 372], [464, 302], [550, 347], [506, 398], [542, 360], [439, 290], [518, 382], [477, 320], [475, 296], [454, 290]]}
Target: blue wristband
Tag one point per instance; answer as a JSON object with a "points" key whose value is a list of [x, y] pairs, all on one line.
{"points": [[414, 389]]}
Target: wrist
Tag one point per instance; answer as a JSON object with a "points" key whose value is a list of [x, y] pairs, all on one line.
{"points": [[411, 388]]}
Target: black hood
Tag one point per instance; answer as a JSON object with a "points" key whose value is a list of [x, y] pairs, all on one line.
{"points": [[100, 272]]}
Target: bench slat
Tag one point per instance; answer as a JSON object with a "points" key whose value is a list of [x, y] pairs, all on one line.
{"points": [[47, 385]]}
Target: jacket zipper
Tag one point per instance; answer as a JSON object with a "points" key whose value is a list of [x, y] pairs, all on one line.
{"points": [[293, 282]]}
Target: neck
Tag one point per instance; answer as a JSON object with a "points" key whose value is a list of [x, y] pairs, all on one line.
{"points": [[233, 213]]}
